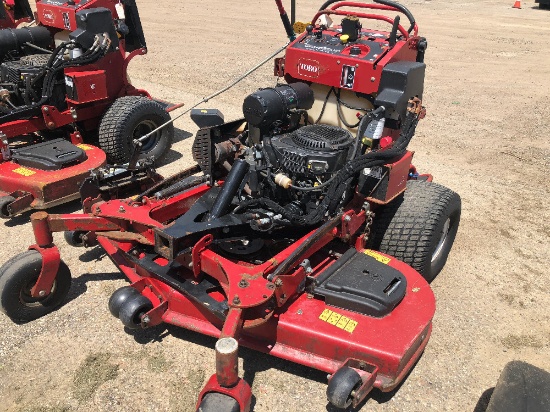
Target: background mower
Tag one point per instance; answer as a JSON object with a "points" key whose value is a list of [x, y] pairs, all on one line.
{"points": [[298, 239], [63, 85], [14, 12]]}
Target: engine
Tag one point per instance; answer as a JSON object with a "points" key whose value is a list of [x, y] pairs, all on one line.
{"points": [[293, 168], [311, 151], [32, 69]]}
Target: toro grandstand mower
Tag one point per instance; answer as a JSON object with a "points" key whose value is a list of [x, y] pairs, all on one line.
{"points": [[299, 239], [64, 84]]}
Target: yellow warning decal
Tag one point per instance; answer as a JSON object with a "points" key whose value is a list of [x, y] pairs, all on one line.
{"points": [[338, 320], [23, 171], [385, 260], [84, 146]]}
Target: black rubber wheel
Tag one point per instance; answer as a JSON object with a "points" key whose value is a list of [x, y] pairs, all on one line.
{"points": [[341, 386], [129, 118], [17, 277], [419, 227], [74, 237], [133, 309], [218, 402], [119, 298], [4, 202]]}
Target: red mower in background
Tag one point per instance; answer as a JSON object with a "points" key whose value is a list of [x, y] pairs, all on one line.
{"points": [[14, 12], [300, 239], [64, 85]]}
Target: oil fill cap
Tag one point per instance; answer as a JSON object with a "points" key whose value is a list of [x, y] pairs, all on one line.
{"points": [[344, 38]]}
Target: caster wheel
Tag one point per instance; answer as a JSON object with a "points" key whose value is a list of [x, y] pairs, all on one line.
{"points": [[4, 202], [74, 238], [133, 309], [218, 402], [119, 298], [341, 386], [17, 277]]}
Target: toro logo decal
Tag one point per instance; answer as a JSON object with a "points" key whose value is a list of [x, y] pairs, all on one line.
{"points": [[48, 16], [309, 68]]}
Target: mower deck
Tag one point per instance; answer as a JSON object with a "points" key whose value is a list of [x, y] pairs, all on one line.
{"points": [[33, 188]]}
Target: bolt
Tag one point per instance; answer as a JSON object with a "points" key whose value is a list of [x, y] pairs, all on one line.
{"points": [[42, 293], [236, 300], [329, 376], [145, 319], [135, 252], [51, 125], [372, 79], [243, 283], [337, 61], [121, 209], [347, 218], [46, 109], [299, 312], [278, 283]]}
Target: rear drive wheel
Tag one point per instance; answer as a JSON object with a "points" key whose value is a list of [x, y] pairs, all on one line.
{"points": [[132, 117], [218, 402], [4, 202], [418, 227], [17, 277]]}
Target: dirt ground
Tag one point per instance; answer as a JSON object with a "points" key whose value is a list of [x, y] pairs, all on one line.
{"points": [[486, 136]]}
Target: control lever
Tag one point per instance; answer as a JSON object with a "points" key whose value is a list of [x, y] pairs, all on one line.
{"points": [[393, 35]]}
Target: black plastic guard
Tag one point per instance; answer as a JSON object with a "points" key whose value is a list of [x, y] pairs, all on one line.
{"points": [[52, 155], [90, 22], [399, 82], [362, 284]]}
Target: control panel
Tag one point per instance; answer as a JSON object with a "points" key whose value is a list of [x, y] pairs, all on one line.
{"points": [[334, 58]]}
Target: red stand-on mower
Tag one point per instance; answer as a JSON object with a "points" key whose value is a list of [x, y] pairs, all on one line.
{"points": [[14, 12], [300, 239], [63, 84]]}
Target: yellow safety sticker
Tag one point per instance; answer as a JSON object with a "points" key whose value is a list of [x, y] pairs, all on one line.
{"points": [[385, 260], [326, 313], [338, 320], [334, 318], [23, 171], [84, 146]]}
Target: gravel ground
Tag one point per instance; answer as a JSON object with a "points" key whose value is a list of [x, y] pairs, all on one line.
{"points": [[485, 136]]}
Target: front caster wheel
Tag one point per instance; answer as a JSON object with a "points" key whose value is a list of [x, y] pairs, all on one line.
{"points": [[17, 277], [133, 309], [119, 299], [218, 402], [341, 387], [74, 238], [4, 210]]}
